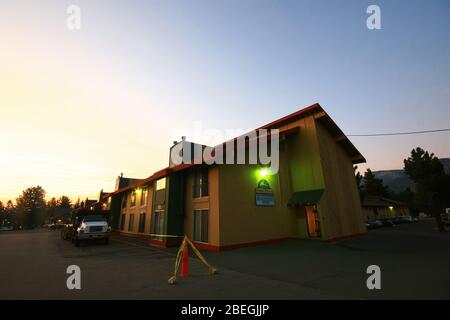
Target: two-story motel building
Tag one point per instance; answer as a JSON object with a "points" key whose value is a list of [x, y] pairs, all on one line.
{"points": [[222, 206]]}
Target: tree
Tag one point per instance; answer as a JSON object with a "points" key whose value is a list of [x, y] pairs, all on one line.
{"points": [[358, 178], [7, 215], [52, 203], [50, 210], [9, 207], [373, 186], [64, 202], [77, 204], [30, 205], [10, 212], [2, 213], [432, 184], [405, 195]]}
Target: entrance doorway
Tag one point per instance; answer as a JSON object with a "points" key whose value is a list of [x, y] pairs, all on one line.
{"points": [[312, 219], [157, 227]]}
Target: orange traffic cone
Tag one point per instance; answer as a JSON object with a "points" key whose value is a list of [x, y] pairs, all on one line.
{"points": [[185, 262]]}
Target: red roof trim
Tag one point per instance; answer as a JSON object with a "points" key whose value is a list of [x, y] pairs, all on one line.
{"points": [[281, 121], [274, 124]]}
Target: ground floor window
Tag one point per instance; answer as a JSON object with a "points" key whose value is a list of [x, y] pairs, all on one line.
{"points": [[142, 222], [131, 222], [122, 221], [157, 223], [200, 232]]}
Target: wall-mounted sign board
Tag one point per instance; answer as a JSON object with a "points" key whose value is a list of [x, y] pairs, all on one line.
{"points": [[264, 195], [266, 200]]}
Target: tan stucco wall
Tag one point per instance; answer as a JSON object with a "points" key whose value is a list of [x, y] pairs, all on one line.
{"points": [[304, 156], [311, 160], [211, 203], [305, 169], [241, 221], [137, 210], [340, 206]]}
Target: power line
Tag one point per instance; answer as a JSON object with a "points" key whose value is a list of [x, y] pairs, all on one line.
{"points": [[396, 133]]}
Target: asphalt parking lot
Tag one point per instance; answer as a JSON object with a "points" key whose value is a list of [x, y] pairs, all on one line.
{"points": [[414, 261]]}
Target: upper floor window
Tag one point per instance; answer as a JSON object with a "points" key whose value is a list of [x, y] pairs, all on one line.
{"points": [[161, 184], [144, 192], [133, 198], [201, 183]]}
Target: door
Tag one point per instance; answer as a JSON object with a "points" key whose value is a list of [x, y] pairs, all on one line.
{"points": [[312, 219], [157, 227]]}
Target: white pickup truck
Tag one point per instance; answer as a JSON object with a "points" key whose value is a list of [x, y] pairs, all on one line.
{"points": [[88, 228]]}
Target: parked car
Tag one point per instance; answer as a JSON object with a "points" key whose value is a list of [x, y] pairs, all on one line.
{"points": [[59, 225], [407, 219], [373, 224], [410, 219], [404, 219], [6, 228], [387, 223], [398, 220]]}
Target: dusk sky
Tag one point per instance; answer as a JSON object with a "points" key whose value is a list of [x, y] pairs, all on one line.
{"points": [[78, 107]]}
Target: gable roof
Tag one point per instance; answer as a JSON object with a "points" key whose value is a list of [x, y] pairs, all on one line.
{"points": [[378, 201], [316, 110], [321, 116]]}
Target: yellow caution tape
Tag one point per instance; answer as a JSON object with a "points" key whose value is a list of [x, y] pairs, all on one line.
{"points": [[200, 256], [186, 241], [164, 235]]}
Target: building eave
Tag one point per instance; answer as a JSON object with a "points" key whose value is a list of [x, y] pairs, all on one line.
{"points": [[313, 110]]}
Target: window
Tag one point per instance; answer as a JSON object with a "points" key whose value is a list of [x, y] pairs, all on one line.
{"points": [[122, 221], [201, 183], [158, 223], [200, 231], [124, 200], [144, 196], [131, 222], [161, 184], [133, 198], [142, 222]]}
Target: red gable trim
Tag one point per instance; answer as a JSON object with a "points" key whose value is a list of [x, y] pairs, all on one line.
{"points": [[312, 109], [277, 123]]}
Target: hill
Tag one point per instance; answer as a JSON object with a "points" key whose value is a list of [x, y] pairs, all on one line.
{"points": [[397, 180]]}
